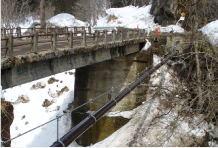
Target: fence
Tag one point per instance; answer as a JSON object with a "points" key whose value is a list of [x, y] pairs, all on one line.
{"points": [[69, 35]]}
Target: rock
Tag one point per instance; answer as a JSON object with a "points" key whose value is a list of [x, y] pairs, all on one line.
{"points": [[52, 80], [23, 117], [71, 73], [23, 99], [164, 11], [39, 85], [65, 89], [26, 123], [167, 12], [46, 103], [51, 94]]}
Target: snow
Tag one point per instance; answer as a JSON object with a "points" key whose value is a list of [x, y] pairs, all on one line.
{"points": [[35, 114], [131, 17], [65, 19], [28, 23], [60, 20], [211, 30], [147, 45]]}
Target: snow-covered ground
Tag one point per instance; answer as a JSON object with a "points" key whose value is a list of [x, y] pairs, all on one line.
{"points": [[211, 30], [32, 114], [134, 17]]}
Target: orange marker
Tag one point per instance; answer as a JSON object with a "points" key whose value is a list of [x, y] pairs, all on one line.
{"points": [[158, 31]]}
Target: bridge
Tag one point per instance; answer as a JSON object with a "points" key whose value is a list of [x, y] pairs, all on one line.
{"points": [[102, 60], [44, 53]]}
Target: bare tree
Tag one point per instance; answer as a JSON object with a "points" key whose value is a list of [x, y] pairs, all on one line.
{"points": [[42, 13], [13, 12]]}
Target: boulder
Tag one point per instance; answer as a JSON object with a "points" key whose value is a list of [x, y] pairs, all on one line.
{"points": [[39, 85], [23, 99], [46, 103], [164, 11]]}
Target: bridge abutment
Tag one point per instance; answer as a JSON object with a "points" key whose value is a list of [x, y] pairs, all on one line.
{"points": [[114, 76]]}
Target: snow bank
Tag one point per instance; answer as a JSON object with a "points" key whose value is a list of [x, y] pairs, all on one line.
{"points": [[60, 20], [32, 114], [65, 19], [211, 30], [133, 17]]}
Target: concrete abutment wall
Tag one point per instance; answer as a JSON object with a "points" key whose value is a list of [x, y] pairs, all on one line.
{"points": [[94, 80]]}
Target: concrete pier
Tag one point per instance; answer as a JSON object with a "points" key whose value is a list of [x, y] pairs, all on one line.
{"points": [[92, 81]]}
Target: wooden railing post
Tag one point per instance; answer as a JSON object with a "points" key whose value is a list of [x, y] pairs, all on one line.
{"points": [[66, 31], [96, 36], [133, 33], [75, 31], [83, 28], [83, 43], [54, 41], [34, 40], [34, 29], [105, 36], [9, 51], [11, 31], [56, 29], [121, 35], [90, 30], [113, 35], [144, 33], [46, 30], [128, 33], [70, 39], [18, 31], [4, 32], [138, 34]]}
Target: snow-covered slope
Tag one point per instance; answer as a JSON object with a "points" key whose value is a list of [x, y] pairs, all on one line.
{"points": [[31, 114], [134, 17], [211, 30], [153, 125]]}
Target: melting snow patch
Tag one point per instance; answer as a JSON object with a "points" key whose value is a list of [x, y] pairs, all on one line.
{"points": [[211, 30], [65, 19]]}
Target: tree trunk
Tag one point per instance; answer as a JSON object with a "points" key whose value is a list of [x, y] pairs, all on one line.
{"points": [[42, 13], [201, 101]]}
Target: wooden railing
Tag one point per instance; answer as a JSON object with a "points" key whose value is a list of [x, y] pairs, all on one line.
{"points": [[80, 36], [5, 32]]}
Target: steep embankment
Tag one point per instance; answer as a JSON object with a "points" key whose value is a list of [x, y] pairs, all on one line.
{"points": [[163, 119]]}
